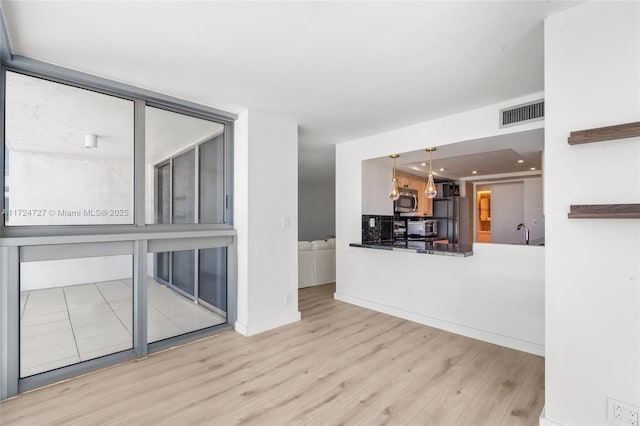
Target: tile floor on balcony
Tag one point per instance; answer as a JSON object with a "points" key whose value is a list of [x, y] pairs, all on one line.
{"points": [[65, 325]]}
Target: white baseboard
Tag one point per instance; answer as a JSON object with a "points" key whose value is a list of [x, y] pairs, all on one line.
{"points": [[474, 333], [315, 284], [240, 328], [252, 329], [546, 422]]}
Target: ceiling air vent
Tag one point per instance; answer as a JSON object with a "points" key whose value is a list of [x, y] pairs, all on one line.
{"points": [[524, 113]]}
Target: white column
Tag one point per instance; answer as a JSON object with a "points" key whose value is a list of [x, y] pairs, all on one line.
{"points": [[592, 294], [266, 217]]}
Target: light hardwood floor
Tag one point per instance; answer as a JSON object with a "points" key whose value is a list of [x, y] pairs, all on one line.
{"points": [[340, 365]]}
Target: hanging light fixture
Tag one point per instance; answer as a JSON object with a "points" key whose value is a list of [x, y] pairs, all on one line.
{"points": [[430, 191], [395, 193]]}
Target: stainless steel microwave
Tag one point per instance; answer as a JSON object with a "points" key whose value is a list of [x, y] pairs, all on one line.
{"points": [[422, 228], [408, 201]]}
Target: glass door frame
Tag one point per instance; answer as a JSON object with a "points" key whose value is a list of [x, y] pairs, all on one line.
{"points": [[144, 239], [141, 98], [70, 247]]}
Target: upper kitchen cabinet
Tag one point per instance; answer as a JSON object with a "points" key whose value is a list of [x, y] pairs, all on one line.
{"points": [[406, 180], [377, 182], [419, 183]]}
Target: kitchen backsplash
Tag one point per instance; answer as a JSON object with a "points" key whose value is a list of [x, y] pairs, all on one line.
{"points": [[382, 228]]}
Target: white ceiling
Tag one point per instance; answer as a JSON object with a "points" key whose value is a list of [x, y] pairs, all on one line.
{"points": [[53, 119], [167, 133], [487, 156], [343, 70]]}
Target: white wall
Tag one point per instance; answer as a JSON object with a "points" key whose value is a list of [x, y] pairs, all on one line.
{"points": [[316, 210], [507, 211], [533, 208], [266, 218], [55, 183], [471, 299], [496, 295], [376, 186], [592, 79], [522, 202], [67, 272]]}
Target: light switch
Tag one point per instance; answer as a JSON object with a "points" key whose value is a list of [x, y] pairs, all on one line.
{"points": [[285, 222]]}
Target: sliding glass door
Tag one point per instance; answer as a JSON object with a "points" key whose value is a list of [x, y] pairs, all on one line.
{"points": [[183, 273], [115, 225], [189, 188], [163, 193], [212, 278], [183, 188], [211, 181]]}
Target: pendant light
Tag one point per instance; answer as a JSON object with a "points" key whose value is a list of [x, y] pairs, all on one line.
{"points": [[395, 193], [430, 191]]}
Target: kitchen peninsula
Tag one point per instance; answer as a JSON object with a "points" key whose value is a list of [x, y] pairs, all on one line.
{"points": [[492, 291]]}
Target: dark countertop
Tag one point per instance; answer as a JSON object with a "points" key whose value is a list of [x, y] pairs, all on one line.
{"points": [[425, 247], [537, 242]]}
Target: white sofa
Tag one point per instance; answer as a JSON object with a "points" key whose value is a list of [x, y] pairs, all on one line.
{"points": [[316, 262]]}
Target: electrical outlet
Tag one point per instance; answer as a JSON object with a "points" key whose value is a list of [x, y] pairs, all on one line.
{"points": [[372, 222], [621, 413], [618, 412]]}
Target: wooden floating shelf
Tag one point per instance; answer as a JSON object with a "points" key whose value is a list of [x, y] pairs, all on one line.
{"points": [[600, 134], [605, 211]]}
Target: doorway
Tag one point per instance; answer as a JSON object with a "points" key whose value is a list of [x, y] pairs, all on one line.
{"points": [[501, 207], [483, 225]]}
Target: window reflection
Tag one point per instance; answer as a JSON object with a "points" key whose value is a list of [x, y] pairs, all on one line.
{"points": [[74, 310], [187, 293], [185, 168], [51, 177]]}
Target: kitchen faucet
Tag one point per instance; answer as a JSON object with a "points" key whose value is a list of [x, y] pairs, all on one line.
{"points": [[526, 232]]}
